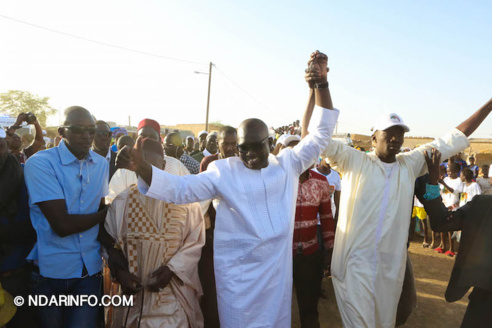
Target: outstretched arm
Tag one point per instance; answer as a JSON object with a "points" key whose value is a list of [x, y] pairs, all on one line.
{"points": [[319, 93], [38, 140], [324, 117], [474, 121], [306, 118], [161, 185]]}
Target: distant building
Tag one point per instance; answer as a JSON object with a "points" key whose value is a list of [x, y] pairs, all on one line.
{"points": [[343, 138], [191, 129]]}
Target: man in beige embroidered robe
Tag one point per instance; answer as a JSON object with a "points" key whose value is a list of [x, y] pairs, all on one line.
{"points": [[162, 243]]}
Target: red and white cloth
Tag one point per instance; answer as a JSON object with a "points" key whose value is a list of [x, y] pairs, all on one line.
{"points": [[313, 197]]}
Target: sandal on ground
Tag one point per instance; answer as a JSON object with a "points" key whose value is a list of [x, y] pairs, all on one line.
{"points": [[425, 245], [450, 254], [439, 250]]}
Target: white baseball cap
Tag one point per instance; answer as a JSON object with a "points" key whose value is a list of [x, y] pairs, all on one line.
{"points": [[387, 121], [202, 132], [2, 133]]}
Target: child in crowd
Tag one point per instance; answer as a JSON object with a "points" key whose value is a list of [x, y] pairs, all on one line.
{"points": [[451, 187], [473, 167], [469, 188], [484, 181]]}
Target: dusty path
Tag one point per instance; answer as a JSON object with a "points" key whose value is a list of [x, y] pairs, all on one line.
{"points": [[432, 271]]}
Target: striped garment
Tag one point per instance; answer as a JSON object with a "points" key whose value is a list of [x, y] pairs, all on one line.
{"points": [[313, 198]]}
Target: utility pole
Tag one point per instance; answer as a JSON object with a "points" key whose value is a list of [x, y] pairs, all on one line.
{"points": [[208, 97], [129, 121]]}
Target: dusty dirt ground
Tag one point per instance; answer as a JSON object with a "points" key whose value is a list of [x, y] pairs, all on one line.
{"points": [[431, 271]]}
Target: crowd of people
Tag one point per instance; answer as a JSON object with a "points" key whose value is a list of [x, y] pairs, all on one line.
{"points": [[219, 229]]}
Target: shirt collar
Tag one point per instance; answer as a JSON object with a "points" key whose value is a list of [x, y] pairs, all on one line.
{"points": [[66, 155], [108, 155], [207, 153]]}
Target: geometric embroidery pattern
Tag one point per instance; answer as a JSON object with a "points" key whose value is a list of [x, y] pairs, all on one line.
{"points": [[140, 226]]}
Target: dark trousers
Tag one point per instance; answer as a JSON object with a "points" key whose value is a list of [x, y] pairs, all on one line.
{"points": [[17, 284], [479, 311], [208, 303], [408, 297], [85, 316], [308, 273]]}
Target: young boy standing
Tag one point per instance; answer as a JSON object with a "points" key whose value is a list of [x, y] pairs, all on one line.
{"points": [[484, 181], [469, 188], [451, 187], [473, 167]]}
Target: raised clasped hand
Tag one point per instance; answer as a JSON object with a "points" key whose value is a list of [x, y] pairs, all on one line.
{"points": [[317, 71]]}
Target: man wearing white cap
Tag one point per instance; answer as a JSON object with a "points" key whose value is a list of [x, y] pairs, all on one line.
{"points": [[286, 141], [370, 252]]}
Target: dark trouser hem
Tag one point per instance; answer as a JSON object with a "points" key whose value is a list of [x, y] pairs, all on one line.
{"points": [[308, 273]]}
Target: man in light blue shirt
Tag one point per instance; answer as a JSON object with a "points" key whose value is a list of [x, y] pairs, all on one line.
{"points": [[67, 185]]}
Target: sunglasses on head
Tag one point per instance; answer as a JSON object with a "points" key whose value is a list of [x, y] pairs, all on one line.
{"points": [[256, 146], [80, 129]]}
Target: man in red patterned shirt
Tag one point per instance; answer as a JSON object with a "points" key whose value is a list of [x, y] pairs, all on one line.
{"points": [[313, 199]]}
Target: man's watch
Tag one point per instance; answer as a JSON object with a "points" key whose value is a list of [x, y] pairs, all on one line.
{"points": [[323, 85]]}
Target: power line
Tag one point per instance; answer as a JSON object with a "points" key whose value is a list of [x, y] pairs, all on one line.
{"points": [[102, 43], [245, 92]]}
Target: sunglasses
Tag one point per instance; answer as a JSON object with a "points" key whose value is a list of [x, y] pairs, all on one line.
{"points": [[256, 147], [80, 130]]}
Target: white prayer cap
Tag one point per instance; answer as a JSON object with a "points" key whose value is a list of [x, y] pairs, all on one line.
{"points": [[2, 133], [387, 121], [202, 133], [288, 139], [282, 138], [190, 137]]}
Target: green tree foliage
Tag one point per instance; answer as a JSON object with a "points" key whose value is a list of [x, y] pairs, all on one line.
{"points": [[14, 102], [217, 124]]}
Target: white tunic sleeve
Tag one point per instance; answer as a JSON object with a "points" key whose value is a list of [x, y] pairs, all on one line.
{"points": [[181, 189], [307, 151], [185, 262], [450, 144], [343, 158]]}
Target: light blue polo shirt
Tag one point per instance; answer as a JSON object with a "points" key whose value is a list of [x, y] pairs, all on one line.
{"points": [[57, 174]]}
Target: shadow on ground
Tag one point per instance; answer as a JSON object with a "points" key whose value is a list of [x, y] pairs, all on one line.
{"points": [[432, 271]]}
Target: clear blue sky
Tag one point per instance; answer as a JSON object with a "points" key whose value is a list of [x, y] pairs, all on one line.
{"points": [[429, 61]]}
